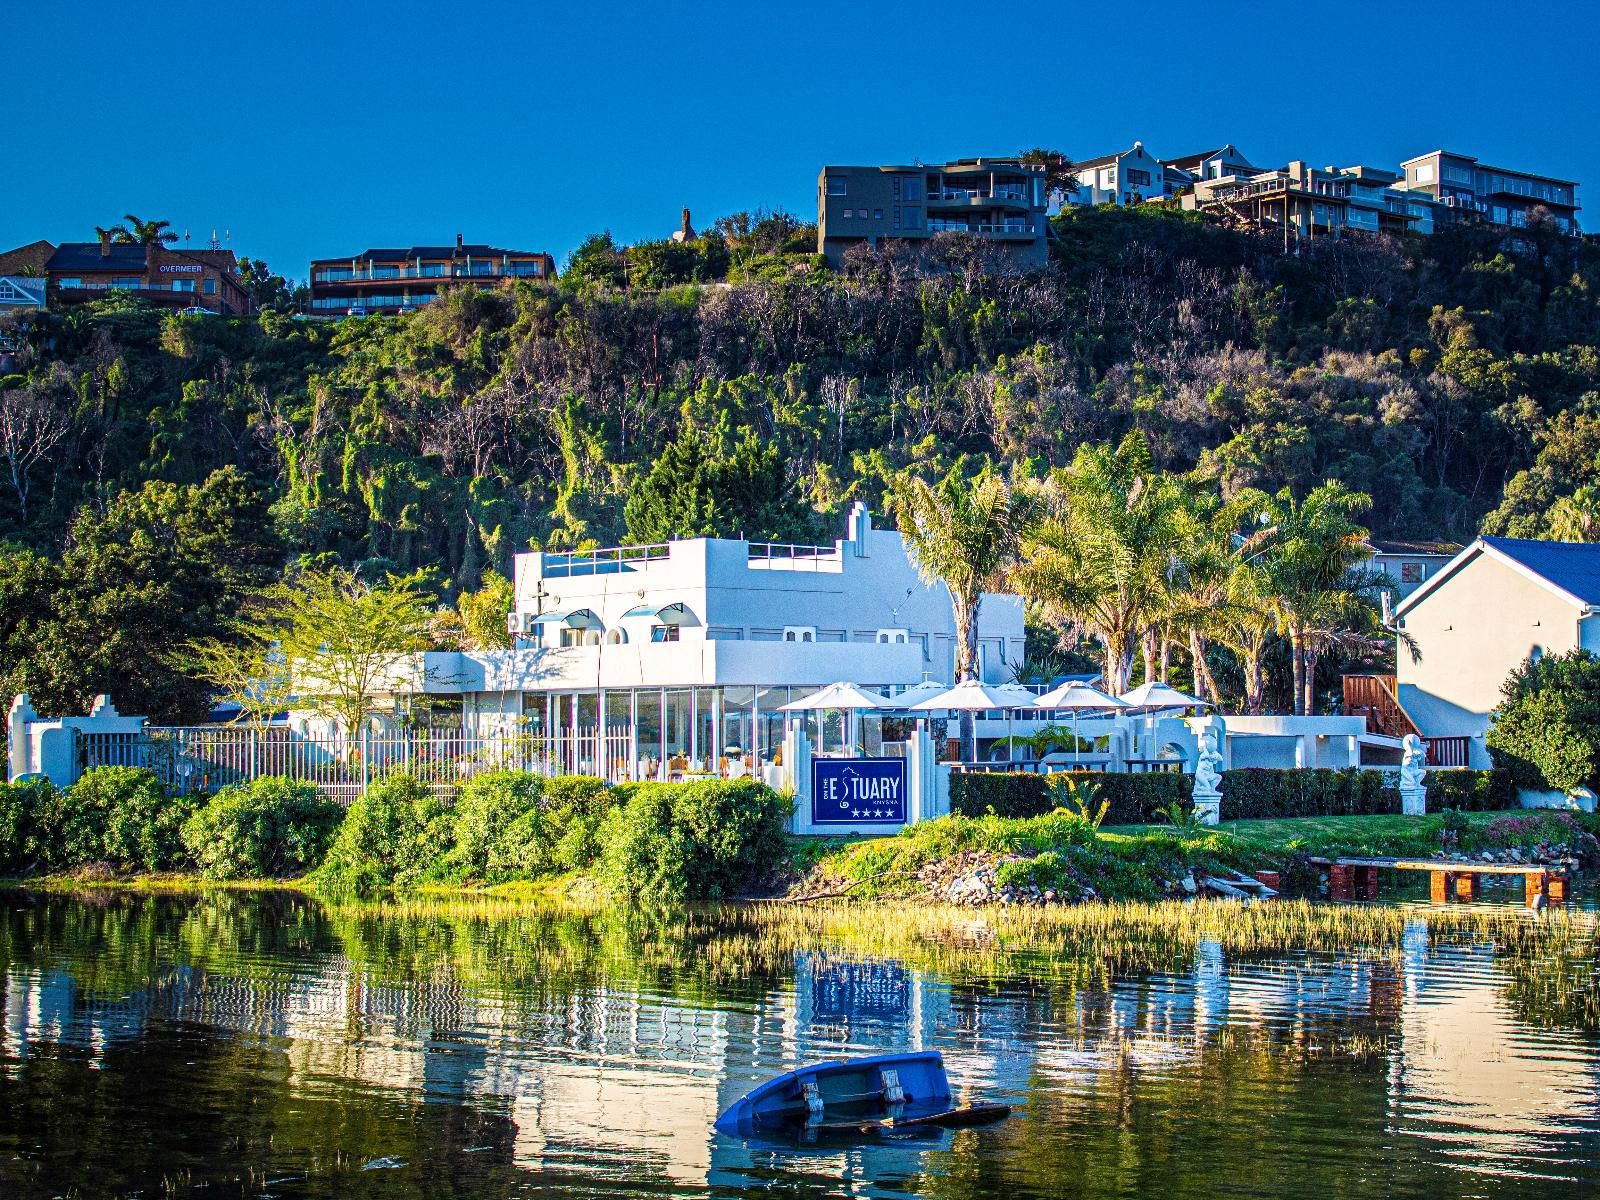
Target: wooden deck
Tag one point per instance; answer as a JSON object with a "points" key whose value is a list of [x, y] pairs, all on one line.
{"points": [[1355, 878]]}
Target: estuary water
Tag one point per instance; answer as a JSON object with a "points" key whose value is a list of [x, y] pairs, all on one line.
{"points": [[260, 1044]]}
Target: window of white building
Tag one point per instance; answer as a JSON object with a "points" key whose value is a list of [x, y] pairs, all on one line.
{"points": [[799, 633]]}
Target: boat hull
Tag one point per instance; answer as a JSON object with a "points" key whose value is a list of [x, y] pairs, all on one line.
{"points": [[878, 1086]]}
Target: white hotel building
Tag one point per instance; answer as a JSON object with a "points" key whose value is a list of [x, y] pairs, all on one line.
{"points": [[656, 661]]}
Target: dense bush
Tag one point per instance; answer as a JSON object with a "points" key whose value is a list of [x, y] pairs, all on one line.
{"points": [[1133, 799], [31, 816], [1256, 792], [1471, 791], [1263, 792], [123, 817], [694, 841], [397, 834], [1546, 732], [267, 828], [511, 825]]}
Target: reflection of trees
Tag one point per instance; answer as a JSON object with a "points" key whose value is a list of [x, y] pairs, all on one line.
{"points": [[1161, 1104]]}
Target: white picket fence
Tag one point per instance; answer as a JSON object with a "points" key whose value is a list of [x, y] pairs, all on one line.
{"points": [[205, 758]]}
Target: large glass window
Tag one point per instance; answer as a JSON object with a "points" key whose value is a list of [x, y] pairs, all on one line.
{"points": [[648, 722], [677, 724], [837, 186], [737, 723], [769, 722], [708, 717]]}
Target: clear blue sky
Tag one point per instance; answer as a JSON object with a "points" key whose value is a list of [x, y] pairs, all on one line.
{"points": [[312, 129]]}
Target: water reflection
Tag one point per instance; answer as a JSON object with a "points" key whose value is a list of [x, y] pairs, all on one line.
{"points": [[262, 1044]]}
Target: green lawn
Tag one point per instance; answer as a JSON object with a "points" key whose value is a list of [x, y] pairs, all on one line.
{"points": [[1384, 835]]}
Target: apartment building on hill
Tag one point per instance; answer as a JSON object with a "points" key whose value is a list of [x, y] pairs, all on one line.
{"points": [[163, 275], [1466, 190], [1001, 200], [400, 279]]}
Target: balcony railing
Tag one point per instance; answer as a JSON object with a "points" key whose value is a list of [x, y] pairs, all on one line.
{"points": [[612, 560], [427, 273], [786, 556]]}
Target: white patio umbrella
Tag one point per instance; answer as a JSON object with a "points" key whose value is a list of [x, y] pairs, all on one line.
{"points": [[838, 695], [1153, 695], [918, 691], [846, 696], [975, 696], [1078, 697]]}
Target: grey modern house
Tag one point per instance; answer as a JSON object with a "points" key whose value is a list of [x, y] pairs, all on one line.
{"points": [[1000, 200], [1467, 189]]}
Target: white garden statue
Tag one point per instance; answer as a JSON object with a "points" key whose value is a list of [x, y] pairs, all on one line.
{"points": [[1413, 782], [1208, 779]]}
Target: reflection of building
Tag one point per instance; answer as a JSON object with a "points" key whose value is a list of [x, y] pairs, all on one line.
{"points": [[1000, 200], [395, 280]]}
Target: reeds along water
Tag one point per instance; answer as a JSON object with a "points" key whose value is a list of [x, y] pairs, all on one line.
{"points": [[504, 946]]}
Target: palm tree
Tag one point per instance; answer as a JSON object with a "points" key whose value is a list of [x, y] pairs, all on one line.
{"points": [[1314, 548], [1213, 561], [1102, 560], [138, 231], [967, 534]]}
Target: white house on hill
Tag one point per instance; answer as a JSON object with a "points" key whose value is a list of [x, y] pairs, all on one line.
{"points": [[1480, 617]]}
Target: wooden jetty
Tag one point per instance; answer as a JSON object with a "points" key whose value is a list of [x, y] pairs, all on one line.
{"points": [[1355, 878]]}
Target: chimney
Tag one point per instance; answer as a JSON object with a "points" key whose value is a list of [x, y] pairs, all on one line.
{"points": [[105, 243], [458, 241]]}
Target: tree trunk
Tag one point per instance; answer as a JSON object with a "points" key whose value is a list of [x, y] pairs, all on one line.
{"points": [[1164, 660], [1298, 667], [1117, 661], [1254, 681], [1308, 675], [1147, 649], [967, 668], [1205, 683]]}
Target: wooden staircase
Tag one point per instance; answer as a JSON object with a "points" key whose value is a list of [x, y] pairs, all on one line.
{"points": [[1376, 698]]}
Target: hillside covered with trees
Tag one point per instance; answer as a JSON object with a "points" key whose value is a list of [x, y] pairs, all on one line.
{"points": [[160, 469]]}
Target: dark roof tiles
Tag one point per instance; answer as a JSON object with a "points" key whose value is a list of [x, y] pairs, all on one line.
{"points": [[1574, 567]]}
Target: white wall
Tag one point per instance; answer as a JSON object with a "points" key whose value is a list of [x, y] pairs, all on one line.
{"points": [[1473, 629]]}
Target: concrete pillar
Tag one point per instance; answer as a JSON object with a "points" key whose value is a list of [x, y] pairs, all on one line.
{"points": [[19, 748]]}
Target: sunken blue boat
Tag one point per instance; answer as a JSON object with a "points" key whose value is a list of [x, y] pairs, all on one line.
{"points": [[897, 1087]]}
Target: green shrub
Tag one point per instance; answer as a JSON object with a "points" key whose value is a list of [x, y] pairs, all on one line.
{"points": [[396, 835], [1546, 731], [123, 817], [694, 841], [513, 825], [264, 829], [486, 811], [31, 815], [1471, 791], [1131, 799], [1305, 792]]}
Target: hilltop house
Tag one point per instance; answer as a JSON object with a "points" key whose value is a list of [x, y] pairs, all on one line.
{"points": [[1475, 621]]}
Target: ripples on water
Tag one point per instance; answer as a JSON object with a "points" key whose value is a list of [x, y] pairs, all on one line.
{"points": [[232, 1044]]}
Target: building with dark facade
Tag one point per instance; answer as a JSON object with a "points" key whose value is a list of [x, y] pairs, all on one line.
{"points": [[164, 276], [401, 279], [1000, 200]]}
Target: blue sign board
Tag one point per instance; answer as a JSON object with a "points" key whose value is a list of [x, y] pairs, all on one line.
{"points": [[858, 791]]}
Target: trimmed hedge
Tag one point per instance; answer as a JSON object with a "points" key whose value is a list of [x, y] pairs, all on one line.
{"points": [[1256, 792], [1135, 799], [1471, 791], [1253, 792]]}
